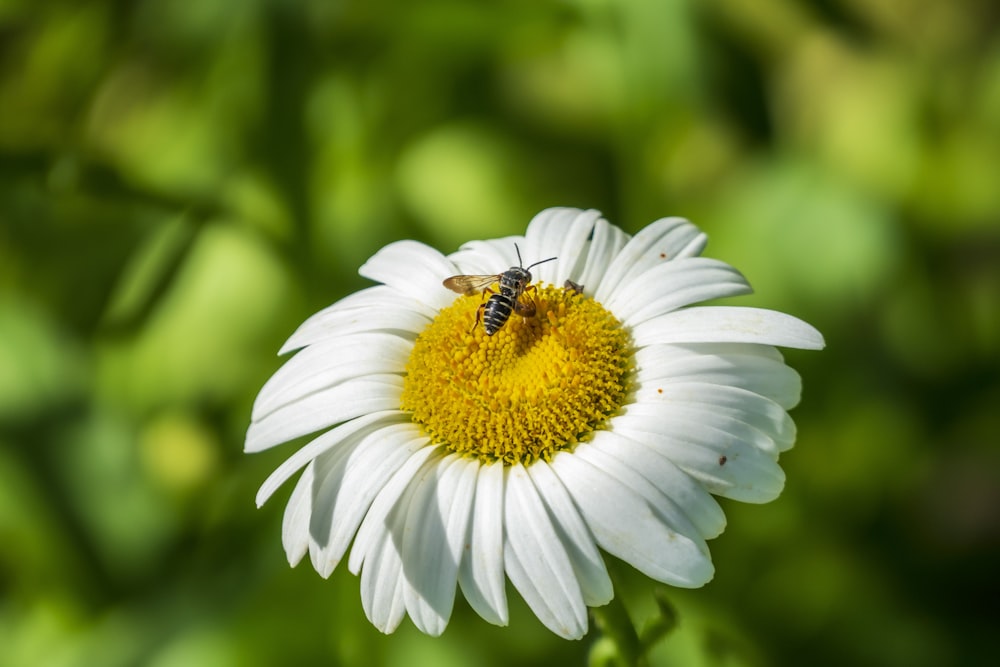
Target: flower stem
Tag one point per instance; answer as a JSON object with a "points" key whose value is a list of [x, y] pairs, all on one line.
{"points": [[660, 625], [620, 645]]}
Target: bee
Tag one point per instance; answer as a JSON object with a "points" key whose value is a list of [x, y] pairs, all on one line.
{"points": [[514, 282]]}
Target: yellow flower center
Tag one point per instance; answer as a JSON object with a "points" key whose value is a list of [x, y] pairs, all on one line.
{"points": [[538, 385]]}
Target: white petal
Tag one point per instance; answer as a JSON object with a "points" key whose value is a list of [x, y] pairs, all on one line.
{"points": [[688, 557], [678, 417], [728, 324], [348, 485], [368, 468], [403, 322], [486, 257], [481, 574], [375, 521], [327, 469], [414, 269], [595, 584], [322, 443], [348, 400], [537, 563], [700, 350], [753, 409], [575, 246], [372, 309], [419, 507], [685, 241], [562, 233], [672, 285], [378, 296], [434, 541], [606, 241], [382, 583], [661, 241], [756, 368], [681, 491], [723, 461], [295, 525], [626, 526], [329, 363]]}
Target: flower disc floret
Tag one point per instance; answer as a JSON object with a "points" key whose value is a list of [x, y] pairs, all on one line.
{"points": [[537, 386]]}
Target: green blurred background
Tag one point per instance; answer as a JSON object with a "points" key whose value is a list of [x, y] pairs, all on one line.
{"points": [[181, 183]]}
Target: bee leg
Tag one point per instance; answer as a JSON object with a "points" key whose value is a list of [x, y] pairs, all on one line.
{"points": [[571, 286], [479, 316], [525, 306], [482, 307]]}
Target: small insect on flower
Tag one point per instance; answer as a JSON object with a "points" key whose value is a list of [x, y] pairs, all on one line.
{"points": [[515, 282]]}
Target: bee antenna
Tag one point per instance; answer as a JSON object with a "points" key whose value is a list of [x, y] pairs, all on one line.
{"points": [[519, 261], [541, 261]]}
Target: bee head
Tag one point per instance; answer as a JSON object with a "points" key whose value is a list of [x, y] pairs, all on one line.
{"points": [[518, 277]]}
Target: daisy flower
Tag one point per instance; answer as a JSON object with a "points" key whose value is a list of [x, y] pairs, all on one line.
{"points": [[605, 421]]}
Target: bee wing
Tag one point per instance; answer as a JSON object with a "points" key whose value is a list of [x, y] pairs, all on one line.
{"points": [[470, 284]]}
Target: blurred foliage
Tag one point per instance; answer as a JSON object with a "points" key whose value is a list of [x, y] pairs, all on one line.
{"points": [[182, 183]]}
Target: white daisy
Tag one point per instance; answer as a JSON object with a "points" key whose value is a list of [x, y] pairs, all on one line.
{"points": [[606, 421]]}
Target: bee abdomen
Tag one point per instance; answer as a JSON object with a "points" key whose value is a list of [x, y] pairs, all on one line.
{"points": [[497, 312]]}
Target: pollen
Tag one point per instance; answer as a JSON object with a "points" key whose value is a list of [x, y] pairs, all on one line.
{"points": [[537, 386]]}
